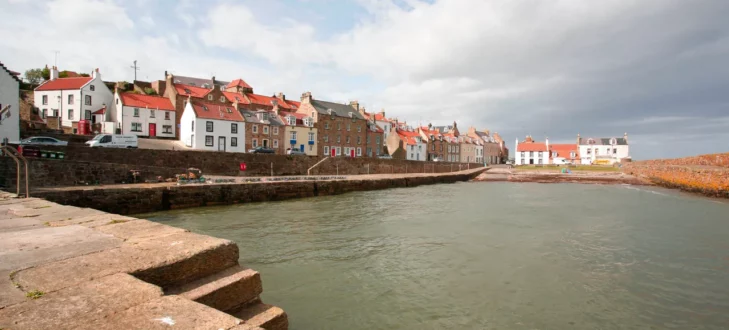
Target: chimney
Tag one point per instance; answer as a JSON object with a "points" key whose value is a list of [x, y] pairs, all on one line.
{"points": [[281, 96], [547, 143], [306, 97], [578, 139], [275, 106], [95, 74], [355, 105], [625, 136], [430, 126], [54, 73]]}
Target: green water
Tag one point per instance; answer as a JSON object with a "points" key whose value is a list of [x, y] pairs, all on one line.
{"points": [[485, 256]]}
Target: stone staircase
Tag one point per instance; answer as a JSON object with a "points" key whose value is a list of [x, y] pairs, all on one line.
{"points": [[66, 267]]}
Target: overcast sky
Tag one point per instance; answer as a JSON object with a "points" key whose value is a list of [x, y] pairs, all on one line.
{"points": [[656, 69]]}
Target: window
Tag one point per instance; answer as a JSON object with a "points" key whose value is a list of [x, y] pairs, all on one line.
{"points": [[136, 112], [589, 151], [255, 128], [92, 88], [339, 138], [151, 113], [326, 125], [615, 151], [554, 154], [359, 140], [45, 99], [208, 140], [523, 154], [117, 101], [326, 151], [70, 114], [326, 138], [275, 143], [597, 151], [210, 98], [311, 136], [531, 154], [265, 129], [208, 126], [291, 120], [368, 139], [87, 114], [255, 143], [540, 154], [222, 98], [70, 99], [432, 146], [412, 148], [293, 135], [234, 128], [412, 155], [233, 141], [377, 139], [167, 115], [572, 154], [359, 128], [308, 122], [222, 88], [87, 99], [264, 116], [339, 126], [167, 129], [43, 112], [347, 139], [136, 127], [311, 147], [275, 131], [349, 126], [193, 125], [359, 151]]}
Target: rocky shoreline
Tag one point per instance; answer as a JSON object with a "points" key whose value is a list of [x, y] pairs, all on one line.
{"points": [[510, 175]]}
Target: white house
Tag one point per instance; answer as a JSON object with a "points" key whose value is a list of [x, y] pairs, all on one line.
{"points": [[603, 151], [73, 99], [214, 127], [9, 109], [382, 122], [529, 152], [415, 147], [144, 115]]}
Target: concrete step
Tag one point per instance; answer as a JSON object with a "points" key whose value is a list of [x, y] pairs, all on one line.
{"points": [[258, 314], [223, 291], [166, 261]]}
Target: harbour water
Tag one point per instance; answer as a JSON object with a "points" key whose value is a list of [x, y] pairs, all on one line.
{"points": [[485, 256]]}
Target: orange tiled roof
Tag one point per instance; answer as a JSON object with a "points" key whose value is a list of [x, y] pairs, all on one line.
{"points": [[64, 84], [233, 97], [266, 100], [216, 111], [564, 150], [531, 146], [239, 83], [146, 101], [193, 91]]}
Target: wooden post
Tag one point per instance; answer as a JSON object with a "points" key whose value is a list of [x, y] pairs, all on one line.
{"points": [[271, 168]]}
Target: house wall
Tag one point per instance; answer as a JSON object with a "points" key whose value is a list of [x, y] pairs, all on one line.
{"points": [[272, 134], [80, 110], [524, 159], [453, 153], [302, 138], [144, 118], [9, 95], [623, 151], [385, 125], [375, 144], [194, 135], [468, 153], [417, 152]]}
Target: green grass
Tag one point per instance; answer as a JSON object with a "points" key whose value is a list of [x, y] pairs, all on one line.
{"points": [[590, 168], [113, 222], [35, 294]]}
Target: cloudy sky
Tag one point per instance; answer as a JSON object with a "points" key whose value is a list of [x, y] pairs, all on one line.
{"points": [[656, 69]]}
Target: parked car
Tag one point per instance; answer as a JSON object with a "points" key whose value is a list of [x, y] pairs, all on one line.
{"points": [[262, 150], [295, 152], [437, 159], [43, 141], [113, 141], [385, 157]]}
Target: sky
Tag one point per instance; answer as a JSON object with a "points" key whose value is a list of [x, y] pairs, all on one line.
{"points": [[655, 69]]}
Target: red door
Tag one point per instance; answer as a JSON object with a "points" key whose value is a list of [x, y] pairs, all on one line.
{"points": [[334, 152], [351, 152], [152, 129]]}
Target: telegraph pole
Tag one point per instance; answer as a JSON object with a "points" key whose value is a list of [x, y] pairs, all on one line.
{"points": [[136, 68], [55, 57]]}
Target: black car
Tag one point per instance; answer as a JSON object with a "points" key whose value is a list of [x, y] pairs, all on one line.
{"points": [[262, 150]]}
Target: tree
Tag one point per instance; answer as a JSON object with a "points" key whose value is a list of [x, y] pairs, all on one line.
{"points": [[46, 73], [34, 76], [149, 91]]}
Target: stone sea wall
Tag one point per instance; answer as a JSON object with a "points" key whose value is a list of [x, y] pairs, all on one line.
{"points": [[707, 175], [135, 199]]}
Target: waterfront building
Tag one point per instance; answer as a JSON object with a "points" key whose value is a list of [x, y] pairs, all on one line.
{"points": [[342, 129], [375, 139], [564, 154], [213, 127], [453, 148], [143, 115], [467, 149], [530, 152], [299, 132], [503, 155], [493, 150], [73, 100], [406, 143], [436, 144], [603, 151], [9, 107]]}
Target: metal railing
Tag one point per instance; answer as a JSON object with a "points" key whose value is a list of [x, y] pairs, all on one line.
{"points": [[308, 172], [10, 151]]}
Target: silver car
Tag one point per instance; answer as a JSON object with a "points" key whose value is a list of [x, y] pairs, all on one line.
{"points": [[43, 141]]}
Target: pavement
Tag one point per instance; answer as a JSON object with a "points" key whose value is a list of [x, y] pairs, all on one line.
{"points": [[161, 144], [64, 267]]}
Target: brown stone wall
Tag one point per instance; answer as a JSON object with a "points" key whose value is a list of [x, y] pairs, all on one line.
{"points": [[53, 173], [373, 145], [165, 197], [222, 163]]}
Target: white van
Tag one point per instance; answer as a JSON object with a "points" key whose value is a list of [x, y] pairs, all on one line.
{"points": [[113, 141]]}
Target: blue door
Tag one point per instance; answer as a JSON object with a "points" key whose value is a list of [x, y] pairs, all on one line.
{"points": [[302, 148]]}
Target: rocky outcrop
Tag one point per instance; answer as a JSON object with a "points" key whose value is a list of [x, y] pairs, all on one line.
{"points": [[687, 174]]}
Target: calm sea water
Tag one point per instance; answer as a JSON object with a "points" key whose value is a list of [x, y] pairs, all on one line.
{"points": [[485, 256]]}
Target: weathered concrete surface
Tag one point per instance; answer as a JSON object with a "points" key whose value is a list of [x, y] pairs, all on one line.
{"points": [[66, 267]]}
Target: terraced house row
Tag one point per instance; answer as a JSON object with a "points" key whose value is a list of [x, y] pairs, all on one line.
{"points": [[214, 115]]}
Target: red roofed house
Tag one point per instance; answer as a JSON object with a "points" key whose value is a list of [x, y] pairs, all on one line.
{"points": [[406, 143], [529, 152], [212, 126], [70, 100], [144, 115], [436, 144], [564, 154]]}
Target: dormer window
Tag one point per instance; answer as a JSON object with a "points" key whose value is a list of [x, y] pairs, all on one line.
{"points": [[590, 141], [308, 122], [210, 97], [222, 98], [229, 110], [177, 81], [291, 120], [187, 91], [264, 116], [206, 85], [237, 99], [613, 141], [222, 88], [205, 107]]}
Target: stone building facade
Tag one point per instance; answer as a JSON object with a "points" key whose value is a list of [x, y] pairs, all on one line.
{"points": [[342, 129]]}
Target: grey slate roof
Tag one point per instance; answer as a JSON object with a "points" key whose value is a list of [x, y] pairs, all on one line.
{"points": [[604, 141], [198, 82], [341, 110], [252, 117]]}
